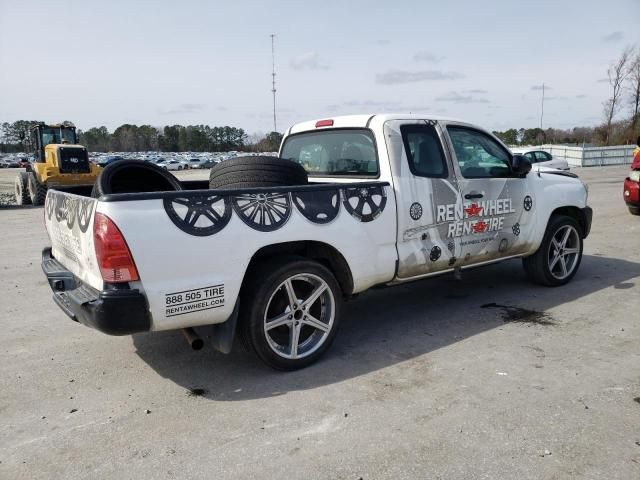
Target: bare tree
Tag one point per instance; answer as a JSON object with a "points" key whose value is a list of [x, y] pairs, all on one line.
{"points": [[617, 73], [634, 81]]}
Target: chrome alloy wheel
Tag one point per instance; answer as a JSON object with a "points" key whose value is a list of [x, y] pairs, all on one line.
{"points": [[564, 252], [299, 316]]}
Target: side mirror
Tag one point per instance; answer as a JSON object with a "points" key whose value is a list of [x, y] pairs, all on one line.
{"points": [[520, 165]]}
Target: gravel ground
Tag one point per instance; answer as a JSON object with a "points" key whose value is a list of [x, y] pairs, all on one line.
{"points": [[422, 381], [7, 177]]}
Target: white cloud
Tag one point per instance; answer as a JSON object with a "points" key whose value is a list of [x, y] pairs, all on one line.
{"points": [[308, 61], [455, 97], [394, 77], [613, 37], [425, 56]]}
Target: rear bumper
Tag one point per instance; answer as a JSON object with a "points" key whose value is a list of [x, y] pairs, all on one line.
{"points": [[116, 311]]}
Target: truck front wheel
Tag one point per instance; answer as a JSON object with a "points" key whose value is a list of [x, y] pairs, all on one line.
{"points": [[557, 259], [289, 312]]}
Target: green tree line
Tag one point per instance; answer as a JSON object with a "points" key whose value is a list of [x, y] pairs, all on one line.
{"points": [[538, 136], [15, 137]]}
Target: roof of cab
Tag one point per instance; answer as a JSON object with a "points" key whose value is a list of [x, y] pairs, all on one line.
{"points": [[361, 121]]}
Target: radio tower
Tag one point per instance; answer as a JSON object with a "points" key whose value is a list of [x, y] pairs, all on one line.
{"points": [[273, 82]]}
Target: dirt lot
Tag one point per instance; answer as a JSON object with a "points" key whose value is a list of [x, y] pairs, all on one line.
{"points": [[422, 381]]}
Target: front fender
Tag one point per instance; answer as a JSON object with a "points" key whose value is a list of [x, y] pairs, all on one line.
{"points": [[558, 194]]}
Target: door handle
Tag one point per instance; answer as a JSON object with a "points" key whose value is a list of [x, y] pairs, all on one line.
{"points": [[470, 196]]}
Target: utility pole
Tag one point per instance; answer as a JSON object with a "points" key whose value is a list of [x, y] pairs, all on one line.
{"points": [[542, 110], [273, 81]]}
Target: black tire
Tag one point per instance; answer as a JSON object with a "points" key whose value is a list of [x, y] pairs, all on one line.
{"points": [[257, 171], [134, 176], [265, 291], [539, 266], [634, 210], [21, 189], [37, 191]]}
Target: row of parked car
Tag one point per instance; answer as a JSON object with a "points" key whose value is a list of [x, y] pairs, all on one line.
{"points": [[13, 161], [167, 160], [173, 161]]}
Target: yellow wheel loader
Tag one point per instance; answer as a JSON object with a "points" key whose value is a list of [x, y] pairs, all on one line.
{"points": [[58, 163]]}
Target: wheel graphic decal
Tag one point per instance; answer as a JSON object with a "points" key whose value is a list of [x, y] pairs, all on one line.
{"points": [[451, 246], [528, 203], [72, 210], [200, 215], [516, 229], [435, 253], [318, 207], [265, 212], [364, 203], [60, 208], [415, 211], [85, 211], [50, 204]]}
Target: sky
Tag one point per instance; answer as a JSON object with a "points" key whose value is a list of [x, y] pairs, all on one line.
{"points": [[209, 62]]}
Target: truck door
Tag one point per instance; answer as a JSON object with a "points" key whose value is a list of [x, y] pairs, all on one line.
{"points": [[423, 179], [496, 215]]}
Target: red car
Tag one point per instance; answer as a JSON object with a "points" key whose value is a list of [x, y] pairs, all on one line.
{"points": [[631, 190]]}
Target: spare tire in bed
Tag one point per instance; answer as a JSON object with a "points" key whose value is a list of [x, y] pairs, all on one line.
{"points": [[134, 176], [256, 171]]}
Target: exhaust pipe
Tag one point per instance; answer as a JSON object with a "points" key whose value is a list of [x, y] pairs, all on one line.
{"points": [[192, 337]]}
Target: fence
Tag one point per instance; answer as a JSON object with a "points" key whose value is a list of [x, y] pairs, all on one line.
{"points": [[592, 156]]}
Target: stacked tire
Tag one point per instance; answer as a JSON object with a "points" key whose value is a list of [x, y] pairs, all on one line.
{"points": [[256, 171], [134, 176]]}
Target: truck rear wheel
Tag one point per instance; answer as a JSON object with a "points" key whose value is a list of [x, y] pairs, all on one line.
{"points": [[257, 171], [21, 189], [289, 312], [557, 259], [37, 191]]}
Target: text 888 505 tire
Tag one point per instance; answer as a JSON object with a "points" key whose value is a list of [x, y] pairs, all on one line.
{"points": [[557, 259], [289, 312]]}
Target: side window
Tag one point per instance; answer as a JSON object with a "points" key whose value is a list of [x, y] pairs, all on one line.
{"points": [[479, 155], [424, 151], [531, 157], [543, 156]]}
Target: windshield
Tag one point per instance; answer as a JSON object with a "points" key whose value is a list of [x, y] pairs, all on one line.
{"points": [[57, 135], [334, 152]]}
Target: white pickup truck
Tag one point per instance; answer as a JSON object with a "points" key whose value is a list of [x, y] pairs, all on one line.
{"points": [[389, 199]]}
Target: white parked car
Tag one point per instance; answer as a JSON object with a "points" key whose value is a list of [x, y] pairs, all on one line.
{"points": [[542, 158], [172, 165], [195, 162]]}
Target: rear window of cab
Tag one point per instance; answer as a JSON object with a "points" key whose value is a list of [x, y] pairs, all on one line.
{"points": [[329, 153]]}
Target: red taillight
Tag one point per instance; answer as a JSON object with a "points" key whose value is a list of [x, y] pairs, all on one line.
{"points": [[324, 123], [114, 258]]}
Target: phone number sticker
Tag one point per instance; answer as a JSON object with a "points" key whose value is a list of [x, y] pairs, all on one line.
{"points": [[196, 300]]}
